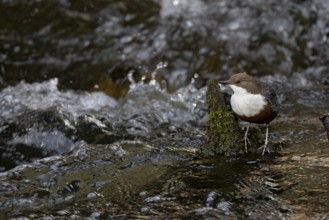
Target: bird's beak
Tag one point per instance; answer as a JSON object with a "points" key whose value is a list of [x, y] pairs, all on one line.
{"points": [[223, 82]]}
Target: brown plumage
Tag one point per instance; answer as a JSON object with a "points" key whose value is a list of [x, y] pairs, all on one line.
{"points": [[253, 101]]}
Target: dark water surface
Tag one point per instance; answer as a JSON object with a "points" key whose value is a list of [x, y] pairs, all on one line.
{"points": [[102, 109]]}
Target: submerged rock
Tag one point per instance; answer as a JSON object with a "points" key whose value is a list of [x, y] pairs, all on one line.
{"points": [[325, 120]]}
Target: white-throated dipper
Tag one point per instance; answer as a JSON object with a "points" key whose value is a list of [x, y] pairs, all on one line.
{"points": [[252, 101]]}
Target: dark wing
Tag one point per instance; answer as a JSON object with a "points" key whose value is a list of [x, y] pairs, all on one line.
{"points": [[270, 93]]}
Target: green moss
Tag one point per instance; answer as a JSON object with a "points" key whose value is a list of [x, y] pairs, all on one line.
{"points": [[224, 134]]}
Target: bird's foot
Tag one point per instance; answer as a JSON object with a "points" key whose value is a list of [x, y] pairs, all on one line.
{"points": [[264, 149]]}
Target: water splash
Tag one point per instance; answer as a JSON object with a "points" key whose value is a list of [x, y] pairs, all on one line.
{"points": [[40, 96]]}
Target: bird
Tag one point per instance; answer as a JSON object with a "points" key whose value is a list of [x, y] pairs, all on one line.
{"points": [[252, 101]]}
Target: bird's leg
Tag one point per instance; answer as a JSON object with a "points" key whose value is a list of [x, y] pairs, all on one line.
{"points": [[246, 139], [266, 141]]}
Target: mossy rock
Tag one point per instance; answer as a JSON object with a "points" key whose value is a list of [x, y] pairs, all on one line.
{"points": [[224, 134]]}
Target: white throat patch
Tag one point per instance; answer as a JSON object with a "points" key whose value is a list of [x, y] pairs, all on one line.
{"points": [[246, 104]]}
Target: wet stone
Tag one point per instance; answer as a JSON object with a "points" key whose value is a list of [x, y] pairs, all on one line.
{"points": [[92, 195], [153, 199], [224, 206], [145, 209], [142, 194], [68, 198], [75, 217], [95, 215], [63, 212], [211, 198]]}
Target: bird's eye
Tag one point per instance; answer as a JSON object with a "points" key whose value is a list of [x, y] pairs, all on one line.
{"points": [[237, 82]]}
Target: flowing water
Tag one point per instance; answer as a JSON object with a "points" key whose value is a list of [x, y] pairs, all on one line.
{"points": [[103, 109]]}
